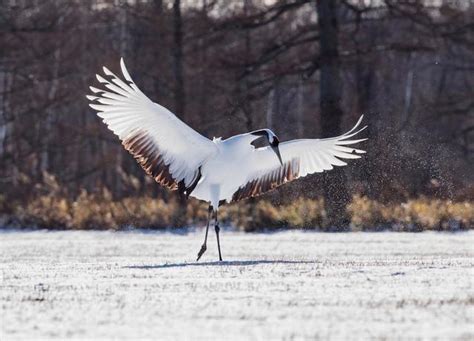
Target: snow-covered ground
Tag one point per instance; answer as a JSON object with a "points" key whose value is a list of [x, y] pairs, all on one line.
{"points": [[284, 285]]}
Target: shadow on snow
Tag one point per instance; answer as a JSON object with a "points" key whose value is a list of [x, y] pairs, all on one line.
{"points": [[218, 263]]}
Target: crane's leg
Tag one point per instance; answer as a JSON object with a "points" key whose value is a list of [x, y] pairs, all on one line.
{"points": [[217, 228], [204, 246]]}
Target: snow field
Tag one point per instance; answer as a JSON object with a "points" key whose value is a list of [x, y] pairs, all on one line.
{"points": [[284, 285]]}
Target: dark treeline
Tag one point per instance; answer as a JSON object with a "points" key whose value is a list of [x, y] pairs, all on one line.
{"points": [[304, 68]]}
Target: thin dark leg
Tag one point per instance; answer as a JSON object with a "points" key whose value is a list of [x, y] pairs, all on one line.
{"points": [[217, 228], [204, 246]]}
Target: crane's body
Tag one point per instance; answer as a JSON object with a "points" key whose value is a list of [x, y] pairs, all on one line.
{"points": [[226, 170], [216, 171], [222, 165]]}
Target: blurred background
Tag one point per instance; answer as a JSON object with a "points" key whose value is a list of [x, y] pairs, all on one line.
{"points": [[304, 68]]}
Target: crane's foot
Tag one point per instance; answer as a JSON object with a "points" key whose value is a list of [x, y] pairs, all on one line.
{"points": [[201, 252]]}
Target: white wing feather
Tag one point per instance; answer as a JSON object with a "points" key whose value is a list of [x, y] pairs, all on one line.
{"points": [[318, 155], [300, 158], [127, 111]]}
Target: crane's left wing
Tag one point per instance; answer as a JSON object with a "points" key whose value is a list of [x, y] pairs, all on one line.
{"points": [[300, 158], [167, 149]]}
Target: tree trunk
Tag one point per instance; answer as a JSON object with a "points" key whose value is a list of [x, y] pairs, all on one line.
{"points": [[300, 110], [270, 108], [158, 6], [244, 87], [8, 170], [159, 44], [124, 41], [335, 191], [45, 159], [179, 93], [3, 114], [366, 92]]}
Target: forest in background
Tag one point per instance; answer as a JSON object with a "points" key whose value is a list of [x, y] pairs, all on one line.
{"points": [[304, 68]]}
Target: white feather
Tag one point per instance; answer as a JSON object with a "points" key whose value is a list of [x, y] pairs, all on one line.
{"points": [[125, 109]]}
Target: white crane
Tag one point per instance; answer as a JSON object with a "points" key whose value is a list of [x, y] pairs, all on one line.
{"points": [[216, 171]]}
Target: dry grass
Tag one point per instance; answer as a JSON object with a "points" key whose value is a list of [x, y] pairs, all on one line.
{"points": [[416, 214], [50, 206], [101, 211], [92, 211]]}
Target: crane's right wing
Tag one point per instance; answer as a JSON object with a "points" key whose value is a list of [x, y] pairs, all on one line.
{"points": [[300, 158], [166, 148]]}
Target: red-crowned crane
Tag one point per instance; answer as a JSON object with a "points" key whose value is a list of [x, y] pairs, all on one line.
{"points": [[216, 171]]}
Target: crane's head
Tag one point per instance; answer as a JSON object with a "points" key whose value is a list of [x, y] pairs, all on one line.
{"points": [[272, 140]]}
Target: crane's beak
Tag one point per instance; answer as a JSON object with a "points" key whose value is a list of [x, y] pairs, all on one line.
{"points": [[277, 152]]}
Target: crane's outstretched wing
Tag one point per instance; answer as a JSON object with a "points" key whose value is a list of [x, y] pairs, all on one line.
{"points": [[300, 158], [167, 149]]}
